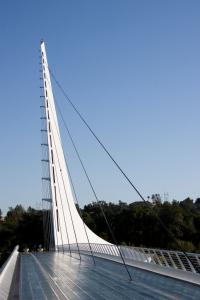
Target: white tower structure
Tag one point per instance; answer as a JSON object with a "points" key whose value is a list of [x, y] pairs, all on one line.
{"points": [[68, 227]]}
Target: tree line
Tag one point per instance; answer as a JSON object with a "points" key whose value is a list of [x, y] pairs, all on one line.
{"points": [[139, 224], [20, 227], [135, 224]]}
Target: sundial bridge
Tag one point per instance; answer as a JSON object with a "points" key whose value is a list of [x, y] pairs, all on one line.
{"points": [[79, 264]]}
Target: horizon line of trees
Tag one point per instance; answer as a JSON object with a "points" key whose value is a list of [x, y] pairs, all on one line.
{"points": [[138, 223], [135, 224]]}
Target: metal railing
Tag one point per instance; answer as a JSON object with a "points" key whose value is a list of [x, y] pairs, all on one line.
{"points": [[6, 274], [178, 260]]}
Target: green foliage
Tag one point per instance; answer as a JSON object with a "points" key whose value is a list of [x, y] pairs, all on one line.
{"points": [[136, 224], [20, 227], [139, 223]]}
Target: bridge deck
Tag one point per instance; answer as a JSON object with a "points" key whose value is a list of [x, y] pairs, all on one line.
{"points": [[58, 276]]}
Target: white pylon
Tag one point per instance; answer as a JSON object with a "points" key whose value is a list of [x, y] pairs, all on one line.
{"points": [[68, 227]]}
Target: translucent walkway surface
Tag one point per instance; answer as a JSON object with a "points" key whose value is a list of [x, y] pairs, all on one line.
{"points": [[58, 276]]}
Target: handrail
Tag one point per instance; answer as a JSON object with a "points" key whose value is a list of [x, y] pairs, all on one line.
{"points": [[7, 272], [163, 258]]}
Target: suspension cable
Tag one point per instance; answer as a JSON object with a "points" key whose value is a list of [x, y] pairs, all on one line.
{"points": [[49, 218], [73, 191], [57, 235], [117, 165], [49, 168], [70, 177], [67, 198], [79, 210], [64, 190], [95, 194], [62, 208]]}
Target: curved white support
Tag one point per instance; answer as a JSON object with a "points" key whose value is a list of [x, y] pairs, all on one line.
{"points": [[68, 226]]}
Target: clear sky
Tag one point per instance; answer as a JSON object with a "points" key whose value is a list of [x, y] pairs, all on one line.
{"points": [[133, 70]]}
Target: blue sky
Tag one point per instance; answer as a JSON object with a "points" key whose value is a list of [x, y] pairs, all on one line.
{"points": [[133, 70]]}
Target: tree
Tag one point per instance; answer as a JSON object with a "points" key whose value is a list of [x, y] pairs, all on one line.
{"points": [[156, 199], [187, 204], [135, 224], [197, 203]]}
